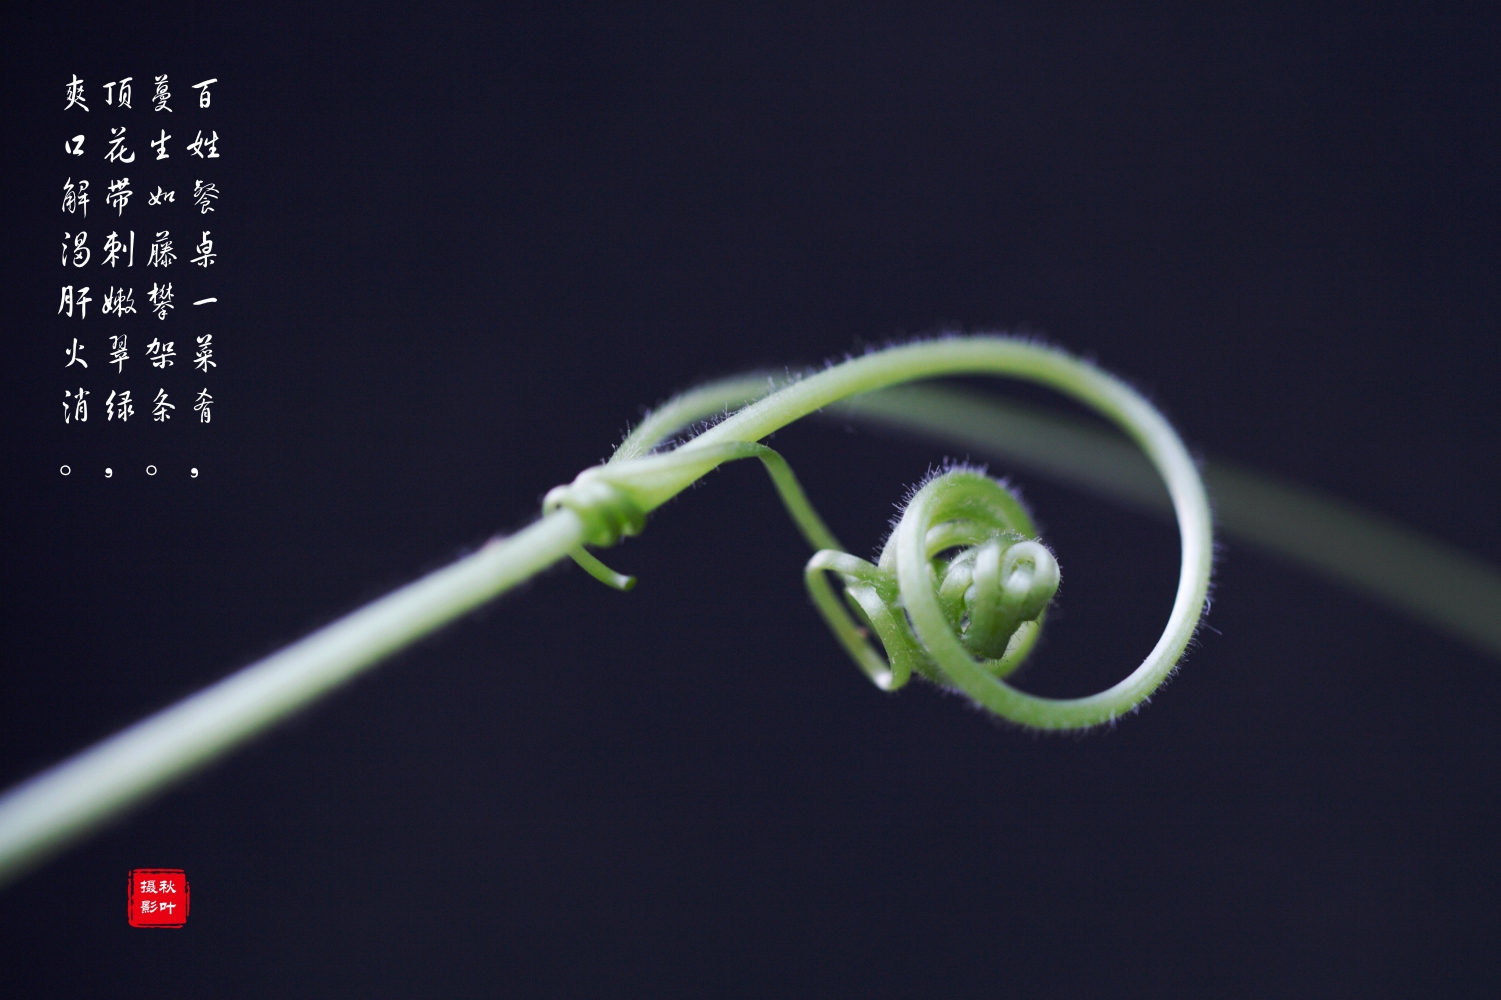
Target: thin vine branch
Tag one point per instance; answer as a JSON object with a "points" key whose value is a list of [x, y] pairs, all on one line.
{"points": [[612, 501]]}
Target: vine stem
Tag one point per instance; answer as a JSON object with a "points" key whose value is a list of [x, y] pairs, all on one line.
{"points": [[44, 814]]}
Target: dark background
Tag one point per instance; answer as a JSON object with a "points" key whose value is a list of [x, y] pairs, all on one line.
{"points": [[460, 250]]}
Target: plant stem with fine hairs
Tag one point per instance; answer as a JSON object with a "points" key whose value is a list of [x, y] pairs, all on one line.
{"points": [[602, 505]]}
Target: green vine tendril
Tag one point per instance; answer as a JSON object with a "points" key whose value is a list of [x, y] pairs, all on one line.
{"points": [[958, 595], [960, 592], [980, 562]]}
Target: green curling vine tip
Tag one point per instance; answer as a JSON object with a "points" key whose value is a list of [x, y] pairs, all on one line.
{"points": [[992, 578], [959, 593]]}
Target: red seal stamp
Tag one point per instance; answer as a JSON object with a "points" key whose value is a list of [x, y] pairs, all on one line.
{"points": [[157, 897]]}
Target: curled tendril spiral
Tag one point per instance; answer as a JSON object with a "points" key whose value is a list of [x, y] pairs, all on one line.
{"points": [[960, 591], [990, 576]]}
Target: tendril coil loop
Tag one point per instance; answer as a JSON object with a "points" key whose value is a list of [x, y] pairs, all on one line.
{"points": [[960, 592], [981, 563], [612, 500], [608, 511]]}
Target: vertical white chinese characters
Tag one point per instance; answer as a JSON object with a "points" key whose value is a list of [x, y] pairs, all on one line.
{"points": [[130, 145]]}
